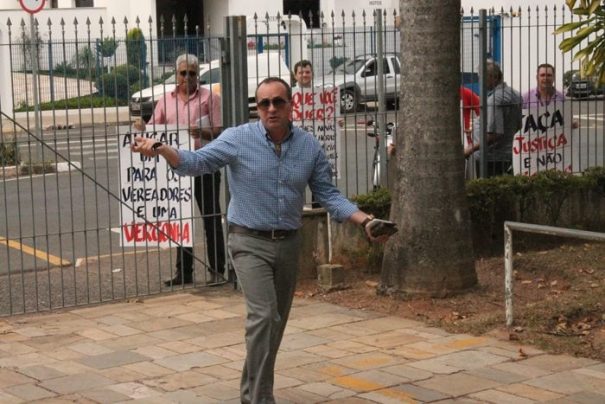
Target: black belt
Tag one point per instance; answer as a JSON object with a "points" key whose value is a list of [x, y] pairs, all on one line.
{"points": [[268, 234]]}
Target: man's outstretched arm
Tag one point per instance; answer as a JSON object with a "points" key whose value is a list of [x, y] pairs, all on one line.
{"points": [[152, 148]]}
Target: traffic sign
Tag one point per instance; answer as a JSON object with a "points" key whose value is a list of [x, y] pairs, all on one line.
{"points": [[32, 6]]}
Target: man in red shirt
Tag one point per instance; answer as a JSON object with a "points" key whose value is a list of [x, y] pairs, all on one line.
{"points": [[198, 109]]}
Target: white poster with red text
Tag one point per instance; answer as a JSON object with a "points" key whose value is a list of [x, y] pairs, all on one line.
{"points": [[316, 110], [548, 140], [156, 204]]}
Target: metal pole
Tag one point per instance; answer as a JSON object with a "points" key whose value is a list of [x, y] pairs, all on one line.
{"points": [[235, 72], [483, 95], [381, 99], [34, 56], [508, 274]]}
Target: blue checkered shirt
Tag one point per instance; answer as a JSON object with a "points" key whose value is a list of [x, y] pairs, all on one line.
{"points": [[267, 190]]}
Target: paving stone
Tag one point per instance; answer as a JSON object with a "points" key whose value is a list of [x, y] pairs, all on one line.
{"points": [[328, 369], [220, 314], [218, 391], [134, 390], [327, 390], [96, 334], [293, 359], [181, 380], [75, 383], [282, 382], [41, 372], [389, 339], [301, 340], [218, 340], [409, 352], [296, 395], [220, 372], [105, 396], [159, 324], [29, 392], [69, 367], [584, 397], [496, 375], [351, 346], [325, 320], [387, 323], [154, 352], [25, 360], [408, 373], [187, 361], [331, 334], [122, 374], [130, 342], [6, 398], [457, 384], [530, 392], [456, 361], [365, 361], [11, 378], [16, 348], [184, 397], [31, 332], [302, 374], [389, 396], [195, 317], [89, 348], [113, 359], [327, 352], [420, 393], [521, 369], [149, 369], [591, 371], [500, 397], [557, 363], [120, 330], [566, 382], [64, 354], [353, 382], [228, 353]]}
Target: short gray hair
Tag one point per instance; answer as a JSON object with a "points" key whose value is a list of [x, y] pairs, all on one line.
{"points": [[188, 59], [493, 70]]}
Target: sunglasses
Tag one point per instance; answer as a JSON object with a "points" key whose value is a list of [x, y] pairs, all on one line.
{"points": [[277, 102], [192, 73]]}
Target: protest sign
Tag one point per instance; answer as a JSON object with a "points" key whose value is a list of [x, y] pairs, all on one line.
{"points": [[546, 141], [156, 208], [317, 111]]}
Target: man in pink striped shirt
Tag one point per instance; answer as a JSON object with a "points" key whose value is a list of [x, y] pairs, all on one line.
{"points": [[198, 109]]}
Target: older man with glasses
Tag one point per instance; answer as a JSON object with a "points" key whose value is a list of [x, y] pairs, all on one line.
{"points": [[188, 104], [269, 163]]}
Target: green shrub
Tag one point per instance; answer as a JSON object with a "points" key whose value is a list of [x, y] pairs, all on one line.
{"points": [[9, 153], [130, 72], [85, 101], [136, 49], [113, 85], [377, 202]]}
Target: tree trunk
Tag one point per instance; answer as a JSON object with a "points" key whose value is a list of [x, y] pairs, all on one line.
{"points": [[432, 254]]}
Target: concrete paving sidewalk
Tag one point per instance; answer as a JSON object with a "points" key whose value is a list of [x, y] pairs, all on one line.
{"points": [[189, 347]]}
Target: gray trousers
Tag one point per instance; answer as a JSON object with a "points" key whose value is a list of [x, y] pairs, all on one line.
{"points": [[266, 271]]}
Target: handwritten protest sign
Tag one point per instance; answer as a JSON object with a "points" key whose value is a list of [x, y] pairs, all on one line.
{"points": [[149, 189], [546, 141], [317, 111]]}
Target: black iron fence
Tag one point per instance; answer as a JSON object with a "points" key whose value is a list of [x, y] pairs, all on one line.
{"points": [[62, 230]]}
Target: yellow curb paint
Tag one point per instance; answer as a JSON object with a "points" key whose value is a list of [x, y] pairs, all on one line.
{"points": [[372, 362], [398, 394], [467, 342], [357, 384], [56, 261], [332, 370]]}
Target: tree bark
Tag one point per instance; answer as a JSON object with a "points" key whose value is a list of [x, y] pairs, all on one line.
{"points": [[432, 254]]}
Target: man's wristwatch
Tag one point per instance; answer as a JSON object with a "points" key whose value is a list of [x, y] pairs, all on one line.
{"points": [[156, 146], [366, 221]]}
